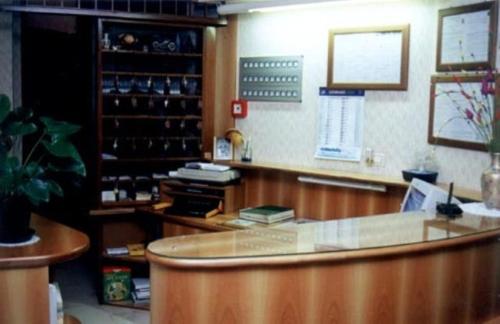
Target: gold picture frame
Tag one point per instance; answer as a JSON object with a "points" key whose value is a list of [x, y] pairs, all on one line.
{"points": [[374, 58]]}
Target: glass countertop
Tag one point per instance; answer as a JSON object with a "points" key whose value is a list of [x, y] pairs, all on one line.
{"points": [[348, 234]]}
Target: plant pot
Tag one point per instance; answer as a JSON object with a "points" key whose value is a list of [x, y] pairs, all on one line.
{"points": [[15, 217], [490, 183]]}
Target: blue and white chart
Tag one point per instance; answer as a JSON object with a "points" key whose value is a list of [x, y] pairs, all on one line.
{"points": [[340, 125]]}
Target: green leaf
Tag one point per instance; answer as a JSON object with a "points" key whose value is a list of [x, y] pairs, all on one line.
{"points": [[11, 163], [33, 170], [54, 127], [76, 166], [22, 113], [4, 107], [36, 190], [62, 148], [19, 128], [55, 188]]}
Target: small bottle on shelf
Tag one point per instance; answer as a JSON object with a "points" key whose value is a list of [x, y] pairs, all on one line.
{"points": [[106, 42], [116, 105], [150, 85], [167, 86], [184, 86], [116, 85], [134, 86], [134, 104]]}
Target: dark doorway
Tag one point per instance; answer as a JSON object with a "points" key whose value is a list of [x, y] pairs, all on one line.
{"points": [[58, 81]]}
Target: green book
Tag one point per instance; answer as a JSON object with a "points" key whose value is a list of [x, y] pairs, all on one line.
{"points": [[116, 283], [267, 214]]}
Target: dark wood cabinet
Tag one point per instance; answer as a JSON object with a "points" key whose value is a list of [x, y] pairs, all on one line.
{"points": [[150, 107]]}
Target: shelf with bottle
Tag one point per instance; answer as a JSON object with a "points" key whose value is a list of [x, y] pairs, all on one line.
{"points": [[151, 39], [147, 95], [143, 160], [151, 74], [148, 53], [185, 117], [148, 85], [152, 106], [152, 127], [125, 258]]}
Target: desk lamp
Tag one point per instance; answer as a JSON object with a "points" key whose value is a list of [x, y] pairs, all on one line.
{"points": [[238, 140]]}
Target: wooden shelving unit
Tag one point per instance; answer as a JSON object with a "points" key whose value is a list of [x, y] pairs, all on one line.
{"points": [[124, 258], [150, 119], [153, 74], [148, 53], [150, 103], [147, 95]]}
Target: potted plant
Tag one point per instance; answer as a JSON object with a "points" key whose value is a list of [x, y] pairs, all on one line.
{"points": [[28, 183]]}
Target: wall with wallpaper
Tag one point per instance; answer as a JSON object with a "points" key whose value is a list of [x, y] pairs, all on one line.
{"points": [[395, 121], [6, 85]]}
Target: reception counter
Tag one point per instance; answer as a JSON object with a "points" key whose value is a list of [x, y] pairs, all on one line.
{"points": [[393, 268]]}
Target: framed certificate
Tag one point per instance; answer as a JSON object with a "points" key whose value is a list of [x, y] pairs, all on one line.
{"points": [[451, 98], [467, 37], [373, 58]]}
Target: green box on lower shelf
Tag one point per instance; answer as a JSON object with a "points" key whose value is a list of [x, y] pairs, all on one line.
{"points": [[116, 283]]}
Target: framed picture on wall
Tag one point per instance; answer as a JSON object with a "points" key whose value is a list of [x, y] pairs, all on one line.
{"points": [[223, 149], [467, 37], [374, 58], [459, 113]]}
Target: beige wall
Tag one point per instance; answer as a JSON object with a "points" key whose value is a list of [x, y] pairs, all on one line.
{"points": [[395, 121], [6, 84]]}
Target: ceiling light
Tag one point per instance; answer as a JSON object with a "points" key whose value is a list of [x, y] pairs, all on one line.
{"points": [[277, 5]]}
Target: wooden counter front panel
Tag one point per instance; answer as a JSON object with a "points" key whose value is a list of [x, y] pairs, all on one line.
{"points": [[317, 201], [25, 296], [456, 285], [171, 229]]}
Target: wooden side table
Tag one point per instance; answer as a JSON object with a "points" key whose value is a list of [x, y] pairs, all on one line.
{"points": [[24, 272]]}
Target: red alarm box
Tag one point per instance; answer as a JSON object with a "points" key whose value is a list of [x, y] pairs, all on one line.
{"points": [[239, 108]]}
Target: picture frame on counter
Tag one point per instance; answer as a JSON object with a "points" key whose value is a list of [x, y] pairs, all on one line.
{"points": [[223, 149]]}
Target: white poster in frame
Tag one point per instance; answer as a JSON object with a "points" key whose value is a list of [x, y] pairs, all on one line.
{"points": [[370, 58], [467, 37]]}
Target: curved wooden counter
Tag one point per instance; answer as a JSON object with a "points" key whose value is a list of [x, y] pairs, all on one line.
{"points": [[24, 273], [396, 268]]}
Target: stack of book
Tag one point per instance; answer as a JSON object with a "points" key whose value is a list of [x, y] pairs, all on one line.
{"points": [[267, 214], [142, 290]]}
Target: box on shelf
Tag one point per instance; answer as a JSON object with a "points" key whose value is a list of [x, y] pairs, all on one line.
{"points": [[116, 283]]}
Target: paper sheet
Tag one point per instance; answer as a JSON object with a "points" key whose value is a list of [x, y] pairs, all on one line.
{"points": [[368, 58], [465, 38], [479, 209], [340, 124]]}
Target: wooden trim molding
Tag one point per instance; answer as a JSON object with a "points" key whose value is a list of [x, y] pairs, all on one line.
{"points": [[318, 258]]}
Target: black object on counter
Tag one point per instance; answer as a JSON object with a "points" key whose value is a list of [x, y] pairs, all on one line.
{"points": [[449, 209], [424, 175]]}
